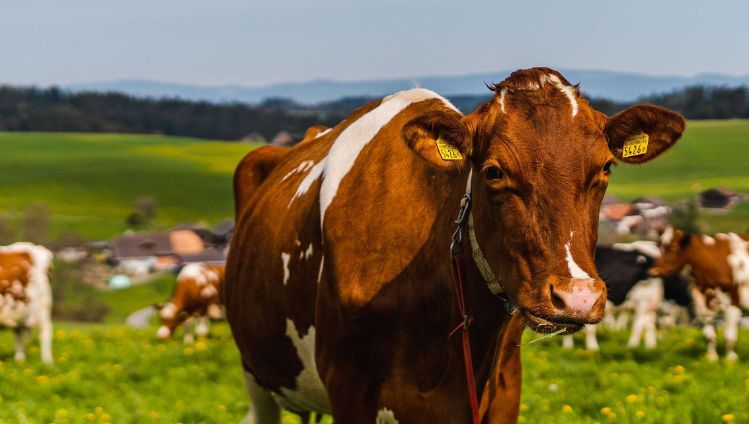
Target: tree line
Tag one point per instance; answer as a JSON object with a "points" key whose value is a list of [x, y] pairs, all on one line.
{"points": [[53, 109]]}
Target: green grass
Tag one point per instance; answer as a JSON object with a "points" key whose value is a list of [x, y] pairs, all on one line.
{"points": [[111, 373], [90, 181], [711, 154], [123, 302]]}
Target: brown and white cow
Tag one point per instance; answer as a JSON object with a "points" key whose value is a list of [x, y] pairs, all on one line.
{"points": [[338, 287], [196, 300], [720, 267], [26, 296]]}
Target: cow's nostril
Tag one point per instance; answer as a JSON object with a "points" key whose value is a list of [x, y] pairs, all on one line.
{"points": [[556, 299]]}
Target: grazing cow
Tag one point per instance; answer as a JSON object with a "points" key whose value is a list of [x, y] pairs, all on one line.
{"points": [[338, 287], [624, 267], [196, 300], [26, 296], [720, 267]]}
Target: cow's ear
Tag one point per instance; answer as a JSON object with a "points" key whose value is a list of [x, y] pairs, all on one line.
{"points": [[684, 240], [641, 133], [440, 138]]}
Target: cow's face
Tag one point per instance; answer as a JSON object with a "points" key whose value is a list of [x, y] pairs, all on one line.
{"points": [[541, 159], [674, 243]]}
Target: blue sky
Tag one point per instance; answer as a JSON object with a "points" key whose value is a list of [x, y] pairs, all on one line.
{"points": [[259, 42]]}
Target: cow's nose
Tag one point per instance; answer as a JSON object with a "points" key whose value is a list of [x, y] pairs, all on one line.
{"points": [[580, 298]]}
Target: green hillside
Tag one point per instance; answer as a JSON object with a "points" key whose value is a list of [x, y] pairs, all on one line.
{"points": [[89, 182]]}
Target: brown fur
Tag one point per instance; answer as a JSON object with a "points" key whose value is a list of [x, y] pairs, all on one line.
{"points": [[189, 299], [376, 287], [14, 267]]}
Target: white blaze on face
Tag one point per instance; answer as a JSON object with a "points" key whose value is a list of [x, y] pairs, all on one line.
{"points": [[385, 416], [285, 257], [575, 271], [323, 132], [567, 90], [356, 136], [309, 394], [707, 240]]}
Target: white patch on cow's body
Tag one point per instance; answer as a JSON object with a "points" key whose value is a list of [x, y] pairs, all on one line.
{"points": [[567, 90], [385, 416], [319, 273], [707, 240], [323, 132], [304, 166], [208, 292], [502, 95], [309, 394], [307, 182], [168, 311], [195, 272], [647, 248], [285, 257], [352, 140], [575, 271], [37, 311], [667, 236], [738, 260]]}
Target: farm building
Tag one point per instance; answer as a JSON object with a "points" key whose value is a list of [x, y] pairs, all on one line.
{"points": [[138, 254], [719, 198]]}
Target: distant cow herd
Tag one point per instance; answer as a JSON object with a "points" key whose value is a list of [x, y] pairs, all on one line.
{"points": [[352, 290]]}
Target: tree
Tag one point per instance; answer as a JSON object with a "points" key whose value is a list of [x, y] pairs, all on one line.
{"points": [[686, 216]]}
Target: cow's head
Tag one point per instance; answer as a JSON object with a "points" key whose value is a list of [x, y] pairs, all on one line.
{"points": [[674, 244], [541, 159]]}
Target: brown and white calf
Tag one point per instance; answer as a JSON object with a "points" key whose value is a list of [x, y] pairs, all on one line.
{"points": [[338, 287], [196, 300], [720, 267], [26, 296]]}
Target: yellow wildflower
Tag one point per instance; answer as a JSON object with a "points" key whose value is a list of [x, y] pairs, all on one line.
{"points": [[631, 398], [727, 418], [566, 409], [640, 414]]}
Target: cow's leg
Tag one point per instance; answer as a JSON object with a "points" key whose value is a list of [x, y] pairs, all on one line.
{"points": [[591, 341], [709, 331], [263, 408], [189, 337], [45, 335], [201, 328], [621, 321], [21, 332], [733, 317], [568, 342], [638, 326], [650, 330]]}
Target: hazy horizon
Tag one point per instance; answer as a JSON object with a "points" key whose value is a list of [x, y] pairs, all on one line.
{"points": [[256, 43]]}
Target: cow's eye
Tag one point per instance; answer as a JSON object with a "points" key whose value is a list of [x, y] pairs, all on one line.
{"points": [[607, 166], [494, 173]]}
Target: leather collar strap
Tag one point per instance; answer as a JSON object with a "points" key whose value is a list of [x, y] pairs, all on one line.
{"points": [[478, 256]]}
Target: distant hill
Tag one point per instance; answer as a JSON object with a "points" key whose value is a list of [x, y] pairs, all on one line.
{"points": [[613, 85]]}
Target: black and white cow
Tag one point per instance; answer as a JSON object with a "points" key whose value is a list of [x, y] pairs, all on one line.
{"points": [[624, 267]]}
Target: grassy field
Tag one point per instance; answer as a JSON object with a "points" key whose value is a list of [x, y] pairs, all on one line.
{"points": [[109, 373], [90, 181]]}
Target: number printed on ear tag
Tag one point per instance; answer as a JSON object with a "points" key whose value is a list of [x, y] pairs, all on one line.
{"points": [[447, 150], [635, 146]]}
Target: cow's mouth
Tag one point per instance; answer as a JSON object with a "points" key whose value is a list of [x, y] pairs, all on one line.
{"points": [[546, 325]]}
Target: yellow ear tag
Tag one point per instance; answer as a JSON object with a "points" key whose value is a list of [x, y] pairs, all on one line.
{"points": [[447, 150], [636, 145]]}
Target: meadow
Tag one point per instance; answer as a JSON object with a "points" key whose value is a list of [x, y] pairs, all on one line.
{"points": [[89, 182], [111, 373]]}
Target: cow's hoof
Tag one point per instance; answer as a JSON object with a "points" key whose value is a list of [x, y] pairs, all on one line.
{"points": [[712, 356], [732, 356], [20, 357]]}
